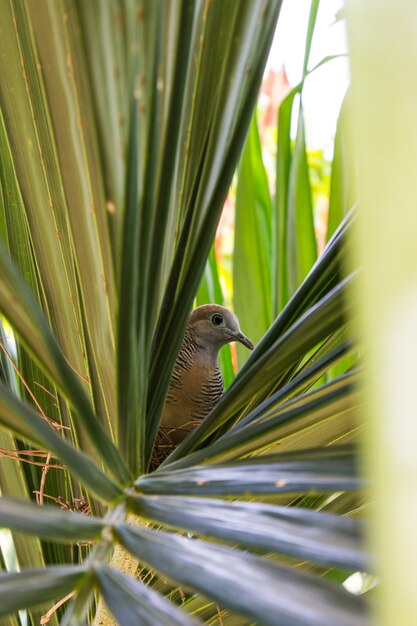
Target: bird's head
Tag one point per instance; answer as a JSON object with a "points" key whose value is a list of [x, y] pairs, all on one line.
{"points": [[215, 326]]}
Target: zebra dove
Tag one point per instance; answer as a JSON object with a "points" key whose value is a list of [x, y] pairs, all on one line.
{"points": [[196, 384]]}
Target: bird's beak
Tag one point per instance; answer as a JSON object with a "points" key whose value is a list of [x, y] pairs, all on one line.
{"points": [[238, 336]]}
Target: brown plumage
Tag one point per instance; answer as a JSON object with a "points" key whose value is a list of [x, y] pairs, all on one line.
{"points": [[196, 383]]}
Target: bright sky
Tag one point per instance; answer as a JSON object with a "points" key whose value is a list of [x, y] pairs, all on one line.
{"points": [[325, 88]]}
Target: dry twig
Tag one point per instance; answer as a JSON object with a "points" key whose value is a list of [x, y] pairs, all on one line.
{"points": [[45, 618], [19, 455]]}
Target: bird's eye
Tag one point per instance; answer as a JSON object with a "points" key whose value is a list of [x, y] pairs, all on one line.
{"points": [[217, 319]]}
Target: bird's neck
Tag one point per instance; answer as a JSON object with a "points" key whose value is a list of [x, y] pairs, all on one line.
{"points": [[205, 354]]}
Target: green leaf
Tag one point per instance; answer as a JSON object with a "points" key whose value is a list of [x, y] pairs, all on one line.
{"points": [[64, 207], [301, 251], [226, 105], [308, 374], [25, 422], [130, 364], [38, 391], [70, 178], [310, 32], [280, 229], [326, 274], [134, 604], [229, 576], [253, 239], [11, 620], [293, 244], [302, 533], [7, 374], [19, 307], [30, 588], [108, 34], [330, 408], [330, 469], [343, 193], [47, 522]]}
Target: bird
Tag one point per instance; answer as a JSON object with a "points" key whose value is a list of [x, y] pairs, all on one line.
{"points": [[196, 383]]}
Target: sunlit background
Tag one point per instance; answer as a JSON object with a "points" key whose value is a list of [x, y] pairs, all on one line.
{"points": [[325, 87], [323, 93]]}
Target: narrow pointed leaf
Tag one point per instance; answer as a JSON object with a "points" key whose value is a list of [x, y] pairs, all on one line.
{"points": [[301, 251], [293, 245], [301, 381], [280, 280], [25, 422], [130, 416], [253, 239], [229, 577], [302, 533], [226, 107], [30, 588], [310, 32], [19, 307], [333, 469], [343, 194], [134, 604], [47, 522], [332, 406]]}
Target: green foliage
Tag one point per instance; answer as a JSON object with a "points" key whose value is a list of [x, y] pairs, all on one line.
{"points": [[121, 127]]}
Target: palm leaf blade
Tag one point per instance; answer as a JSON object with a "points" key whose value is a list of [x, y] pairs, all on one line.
{"points": [[331, 469], [133, 603], [47, 522], [24, 421], [327, 539], [31, 588], [281, 591]]}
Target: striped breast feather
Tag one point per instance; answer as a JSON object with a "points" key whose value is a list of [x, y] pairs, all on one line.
{"points": [[185, 359], [209, 395]]}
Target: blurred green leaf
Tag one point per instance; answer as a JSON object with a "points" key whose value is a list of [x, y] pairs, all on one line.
{"points": [[343, 193], [301, 241], [253, 217], [293, 231]]}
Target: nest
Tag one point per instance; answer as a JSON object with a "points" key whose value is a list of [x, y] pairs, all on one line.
{"points": [[167, 440], [164, 445]]}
